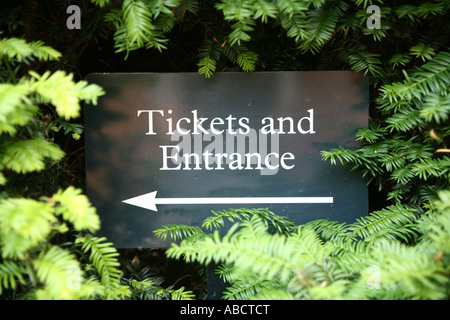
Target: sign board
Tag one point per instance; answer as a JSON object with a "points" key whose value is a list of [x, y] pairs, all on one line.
{"points": [[168, 148]]}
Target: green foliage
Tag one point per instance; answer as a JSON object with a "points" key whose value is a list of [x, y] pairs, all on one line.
{"points": [[145, 287], [32, 263], [232, 25], [103, 257], [329, 260], [28, 155], [362, 60], [20, 50], [404, 148], [47, 249], [52, 268], [238, 32], [27, 229], [142, 24], [60, 90]]}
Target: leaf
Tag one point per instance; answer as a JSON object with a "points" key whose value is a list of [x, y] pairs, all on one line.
{"points": [[28, 155], [207, 67], [181, 294], [400, 59], [246, 60], [11, 273], [429, 8], [290, 7], [430, 78], [432, 168], [419, 278], [362, 60], [176, 231], [426, 52], [245, 289], [372, 134], [270, 257], [436, 107], [138, 21], [408, 10], [60, 90], [104, 258], [10, 97], [24, 224], [22, 114], [296, 26], [53, 269], [322, 22], [76, 208], [15, 107], [15, 48], [264, 10], [404, 120], [136, 28], [100, 3], [387, 218], [43, 52], [403, 174]]}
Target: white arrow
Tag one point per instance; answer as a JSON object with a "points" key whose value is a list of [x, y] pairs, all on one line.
{"points": [[149, 200]]}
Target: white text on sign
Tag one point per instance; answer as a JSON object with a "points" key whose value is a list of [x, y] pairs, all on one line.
{"points": [[245, 148]]}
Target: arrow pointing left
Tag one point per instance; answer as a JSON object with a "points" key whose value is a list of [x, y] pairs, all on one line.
{"points": [[149, 200]]}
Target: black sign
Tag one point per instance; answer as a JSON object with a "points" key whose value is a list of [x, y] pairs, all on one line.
{"points": [[170, 148]]}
